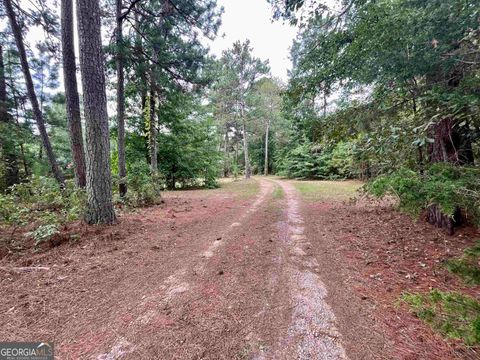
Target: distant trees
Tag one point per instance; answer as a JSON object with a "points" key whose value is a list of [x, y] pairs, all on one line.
{"points": [[239, 72], [37, 113], [267, 99], [10, 161]]}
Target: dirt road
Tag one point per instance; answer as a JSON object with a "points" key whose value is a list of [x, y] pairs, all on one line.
{"points": [[235, 273]]}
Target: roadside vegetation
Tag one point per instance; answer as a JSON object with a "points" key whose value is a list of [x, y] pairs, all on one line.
{"points": [[467, 267], [452, 314]]}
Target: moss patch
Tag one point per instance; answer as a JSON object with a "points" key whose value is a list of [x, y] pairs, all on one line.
{"points": [[467, 267]]}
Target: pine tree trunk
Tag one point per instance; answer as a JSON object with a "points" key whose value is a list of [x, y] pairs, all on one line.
{"points": [[99, 180], [225, 154], [37, 113], [236, 152], [122, 167], [248, 172], [22, 148], [267, 129], [71, 94], [153, 132], [7, 145]]}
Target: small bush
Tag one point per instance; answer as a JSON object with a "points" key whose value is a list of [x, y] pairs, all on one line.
{"points": [[448, 186], [44, 233], [452, 314], [143, 187]]}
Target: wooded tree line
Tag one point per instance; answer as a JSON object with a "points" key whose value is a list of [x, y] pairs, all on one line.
{"points": [[158, 62], [388, 88], [178, 116], [383, 89]]}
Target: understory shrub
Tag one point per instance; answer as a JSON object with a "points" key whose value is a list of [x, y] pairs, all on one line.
{"points": [[143, 187], [40, 202], [309, 161], [447, 186], [454, 315]]}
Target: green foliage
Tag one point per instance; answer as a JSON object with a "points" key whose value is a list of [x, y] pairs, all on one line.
{"points": [[188, 154], [384, 77], [144, 188], [41, 200], [235, 171], [42, 203], [44, 233], [307, 161], [452, 314], [467, 267], [448, 186]]}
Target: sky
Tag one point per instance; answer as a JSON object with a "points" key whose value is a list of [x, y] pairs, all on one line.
{"points": [[252, 19], [241, 20]]}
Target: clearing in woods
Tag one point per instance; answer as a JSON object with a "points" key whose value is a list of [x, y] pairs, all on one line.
{"points": [[258, 269]]}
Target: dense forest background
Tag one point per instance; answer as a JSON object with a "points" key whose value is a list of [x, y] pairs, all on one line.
{"points": [[382, 90]]}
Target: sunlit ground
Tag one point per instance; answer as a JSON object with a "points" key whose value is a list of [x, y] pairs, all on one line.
{"points": [[327, 190]]}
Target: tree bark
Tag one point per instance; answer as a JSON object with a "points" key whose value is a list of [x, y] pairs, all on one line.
{"points": [[225, 154], [448, 146], [99, 180], [122, 167], [153, 131], [71, 94], [37, 113], [248, 171], [267, 129], [6, 142]]}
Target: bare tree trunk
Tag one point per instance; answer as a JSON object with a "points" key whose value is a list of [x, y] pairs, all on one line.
{"points": [[37, 113], [3, 89], [143, 85], [225, 154], [99, 179], [71, 94], [122, 167], [6, 142], [248, 171], [236, 152], [267, 129], [153, 131]]}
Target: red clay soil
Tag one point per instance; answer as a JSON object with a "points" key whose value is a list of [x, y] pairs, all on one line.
{"points": [[214, 275]]}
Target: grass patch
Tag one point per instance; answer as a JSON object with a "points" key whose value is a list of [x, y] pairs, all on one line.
{"points": [[278, 192], [242, 189], [467, 267], [452, 314], [327, 190]]}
